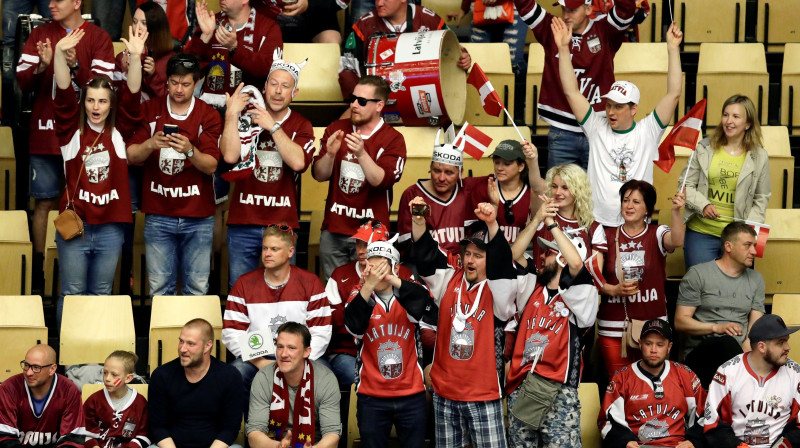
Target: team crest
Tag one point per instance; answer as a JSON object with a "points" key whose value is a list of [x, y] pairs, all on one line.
{"points": [[756, 432], [274, 323], [462, 344], [351, 177], [534, 347], [593, 42], [170, 161], [97, 165], [128, 428], [653, 430], [270, 165], [215, 80], [396, 79], [390, 360]]}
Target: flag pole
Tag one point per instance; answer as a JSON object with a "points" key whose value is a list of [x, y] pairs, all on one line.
{"points": [[688, 164], [512, 123]]}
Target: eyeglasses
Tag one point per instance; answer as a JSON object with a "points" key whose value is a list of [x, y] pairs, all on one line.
{"points": [[283, 228], [508, 214], [36, 369], [361, 100]]}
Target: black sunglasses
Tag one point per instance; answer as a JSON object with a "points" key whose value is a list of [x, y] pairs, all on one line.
{"points": [[508, 214], [361, 100], [188, 63]]}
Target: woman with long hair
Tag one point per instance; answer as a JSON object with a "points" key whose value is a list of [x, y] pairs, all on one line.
{"points": [[635, 270], [90, 134], [159, 47], [728, 179]]}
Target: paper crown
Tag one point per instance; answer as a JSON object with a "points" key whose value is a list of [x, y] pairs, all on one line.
{"points": [[384, 249], [291, 67], [447, 153]]}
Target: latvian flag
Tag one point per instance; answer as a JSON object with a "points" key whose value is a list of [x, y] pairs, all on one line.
{"points": [[489, 98], [685, 133], [475, 142], [596, 269], [762, 233]]}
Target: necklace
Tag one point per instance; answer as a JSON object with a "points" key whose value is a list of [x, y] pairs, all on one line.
{"points": [[276, 286]]}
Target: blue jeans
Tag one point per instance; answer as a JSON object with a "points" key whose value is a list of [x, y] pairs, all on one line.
{"points": [[87, 264], [513, 34], [699, 248], [344, 367], [47, 176], [567, 147], [171, 242], [11, 10], [377, 415], [111, 13]]}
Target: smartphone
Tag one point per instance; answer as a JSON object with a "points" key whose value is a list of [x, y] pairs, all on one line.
{"points": [[171, 129], [420, 209]]}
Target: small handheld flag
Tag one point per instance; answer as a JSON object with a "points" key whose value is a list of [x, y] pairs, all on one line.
{"points": [[475, 142], [685, 133]]}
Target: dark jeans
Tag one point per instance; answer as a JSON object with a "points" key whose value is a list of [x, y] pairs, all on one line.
{"points": [[377, 415], [706, 358]]}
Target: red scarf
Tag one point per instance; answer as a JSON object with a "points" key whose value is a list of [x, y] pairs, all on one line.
{"points": [[303, 425]]}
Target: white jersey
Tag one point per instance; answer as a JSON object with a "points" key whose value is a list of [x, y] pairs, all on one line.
{"points": [[756, 408], [617, 157]]}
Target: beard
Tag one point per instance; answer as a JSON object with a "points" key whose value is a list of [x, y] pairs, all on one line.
{"points": [[654, 365], [775, 360], [359, 119], [547, 273]]}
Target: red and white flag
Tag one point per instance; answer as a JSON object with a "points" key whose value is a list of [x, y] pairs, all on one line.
{"points": [[489, 98], [596, 269], [685, 133], [762, 234], [476, 143]]}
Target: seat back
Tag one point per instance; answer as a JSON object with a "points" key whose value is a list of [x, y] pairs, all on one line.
{"points": [[790, 88], [533, 88], [495, 60], [589, 397], [646, 64], [783, 245], [16, 247], [725, 24], [94, 326], [8, 170], [781, 165], [777, 23], [16, 340], [316, 83]]}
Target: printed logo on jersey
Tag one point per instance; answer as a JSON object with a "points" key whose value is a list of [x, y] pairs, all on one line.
{"points": [[534, 347], [720, 378], [594, 43], [274, 323], [612, 386], [462, 344], [390, 360], [623, 158], [129, 427], [97, 163], [36, 438], [756, 432], [170, 161], [351, 176], [653, 429], [270, 163], [639, 397]]}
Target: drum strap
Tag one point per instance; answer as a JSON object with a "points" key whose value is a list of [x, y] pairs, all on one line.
{"points": [[410, 18]]}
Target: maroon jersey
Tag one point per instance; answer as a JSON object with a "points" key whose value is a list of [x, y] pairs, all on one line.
{"points": [[256, 41], [126, 428], [351, 199], [593, 240], [445, 221], [172, 186], [59, 425], [631, 412], [95, 55], [103, 191], [520, 206], [270, 194], [343, 281], [646, 253], [592, 56]]}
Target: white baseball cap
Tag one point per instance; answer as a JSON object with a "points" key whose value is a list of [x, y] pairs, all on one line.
{"points": [[623, 92]]}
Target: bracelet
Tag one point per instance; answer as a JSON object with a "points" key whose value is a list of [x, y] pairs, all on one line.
{"points": [[552, 226]]}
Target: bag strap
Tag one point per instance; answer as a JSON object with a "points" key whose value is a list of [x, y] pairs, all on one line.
{"points": [[83, 164], [619, 275]]}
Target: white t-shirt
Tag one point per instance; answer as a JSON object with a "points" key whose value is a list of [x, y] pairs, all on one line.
{"points": [[610, 151]]}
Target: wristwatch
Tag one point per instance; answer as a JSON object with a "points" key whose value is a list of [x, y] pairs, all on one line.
{"points": [[190, 152], [275, 128], [552, 226]]}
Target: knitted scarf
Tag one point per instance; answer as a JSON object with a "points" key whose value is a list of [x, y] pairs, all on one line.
{"points": [[303, 416], [248, 136]]}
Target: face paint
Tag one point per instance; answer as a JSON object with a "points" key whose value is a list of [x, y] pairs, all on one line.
{"points": [[117, 382]]}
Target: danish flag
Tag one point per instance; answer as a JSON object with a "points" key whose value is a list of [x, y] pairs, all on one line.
{"points": [[685, 133], [476, 143], [489, 98]]}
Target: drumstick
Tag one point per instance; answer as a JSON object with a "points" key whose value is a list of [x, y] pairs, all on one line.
{"points": [[513, 124]]}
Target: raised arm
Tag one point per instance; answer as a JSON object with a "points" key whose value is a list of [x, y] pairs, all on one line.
{"points": [[674, 239], [60, 69], [135, 47], [666, 107], [562, 34], [535, 180], [230, 146]]}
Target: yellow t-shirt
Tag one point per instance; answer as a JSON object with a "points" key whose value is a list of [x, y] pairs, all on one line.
{"points": [[723, 175]]}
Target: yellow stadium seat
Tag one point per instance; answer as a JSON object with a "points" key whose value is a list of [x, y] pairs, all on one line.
{"points": [[318, 78], [119, 47], [495, 60], [8, 170], [50, 256], [590, 408], [650, 29], [725, 24], [89, 389], [727, 69], [790, 88], [786, 306], [15, 245], [21, 327], [94, 326], [533, 88], [781, 165], [443, 7], [169, 314], [783, 245], [777, 23]]}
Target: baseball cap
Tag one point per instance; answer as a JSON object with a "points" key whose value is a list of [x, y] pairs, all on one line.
{"points": [[477, 234], [769, 326], [572, 4], [659, 326], [509, 150], [371, 231], [547, 244], [623, 92]]}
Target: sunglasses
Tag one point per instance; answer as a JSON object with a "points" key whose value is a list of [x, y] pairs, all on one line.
{"points": [[361, 100], [188, 63], [283, 228], [508, 214]]}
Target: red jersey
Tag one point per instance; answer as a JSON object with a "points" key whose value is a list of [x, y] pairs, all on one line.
{"points": [[351, 199], [592, 57], [270, 194], [446, 220], [593, 240], [631, 412], [646, 253], [253, 304], [520, 206], [59, 425], [256, 41], [172, 186], [126, 428], [103, 191], [95, 55]]}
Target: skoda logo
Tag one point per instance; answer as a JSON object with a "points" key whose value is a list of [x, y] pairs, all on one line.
{"points": [[256, 341]]}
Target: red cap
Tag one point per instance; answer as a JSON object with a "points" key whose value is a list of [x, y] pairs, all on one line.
{"points": [[373, 229], [572, 4]]}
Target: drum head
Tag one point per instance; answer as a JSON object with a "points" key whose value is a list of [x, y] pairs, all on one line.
{"points": [[453, 79]]}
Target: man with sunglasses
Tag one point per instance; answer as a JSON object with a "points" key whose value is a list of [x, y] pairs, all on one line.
{"points": [[362, 157], [655, 401], [177, 145], [39, 407], [266, 298]]}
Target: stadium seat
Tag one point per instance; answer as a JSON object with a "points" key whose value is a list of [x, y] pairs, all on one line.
{"points": [[169, 314], [790, 88], [727, 69], [495, 60], [442, 7], [590, 408], [119, 47], [777, 23], [699, 25], [313, 193], [783, 245], [89, 389], [317, 79], [21, 327], [781, 165], [8, 170], [650, 29], [51, 287], [646, 64], [15, 245], [533, 88], [94, 326], [786, 306]]}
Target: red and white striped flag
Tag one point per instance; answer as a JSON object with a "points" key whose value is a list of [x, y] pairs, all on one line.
{"points": [[476, 143], [596, 269], [489, 98], [685, 133], [762, 234]]}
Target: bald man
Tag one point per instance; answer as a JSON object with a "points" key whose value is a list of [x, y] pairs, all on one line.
{"points": [[39, 407]]}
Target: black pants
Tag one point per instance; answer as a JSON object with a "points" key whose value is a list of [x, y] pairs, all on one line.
{"points": [[710, 354]]}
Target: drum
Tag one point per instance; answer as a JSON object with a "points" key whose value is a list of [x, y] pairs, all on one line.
{"points": [[427, 87]]}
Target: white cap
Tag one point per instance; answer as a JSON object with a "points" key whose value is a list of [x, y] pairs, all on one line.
{"points": [[623, 92], [384, 249], [291, 67]]}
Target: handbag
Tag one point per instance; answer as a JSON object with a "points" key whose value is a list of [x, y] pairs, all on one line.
{"points": [[501, 12], [535, 399], [68, 223], [632, 328]]}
